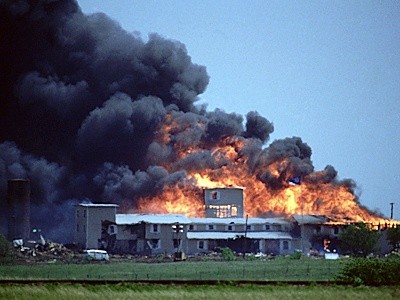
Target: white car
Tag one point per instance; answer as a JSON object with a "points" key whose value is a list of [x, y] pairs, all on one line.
{"points": [[96, 254]]}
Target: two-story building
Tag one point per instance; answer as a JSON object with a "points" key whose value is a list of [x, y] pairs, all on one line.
{"points": [[315, 232], [88, 223], [145, 234], [99, 226], [152, 234]]}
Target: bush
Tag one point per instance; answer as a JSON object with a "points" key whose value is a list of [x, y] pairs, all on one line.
{"points": [[6, 253], [359, 240], [295, 255], [374, 272], [227, 254]]}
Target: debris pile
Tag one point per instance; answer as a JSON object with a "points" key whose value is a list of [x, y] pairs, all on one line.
{"points": [[42, 250]]}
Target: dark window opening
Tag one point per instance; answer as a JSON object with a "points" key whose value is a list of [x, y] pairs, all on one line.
{"points": [[155, 227], [177, 243], [201, 245], [285, 245]]}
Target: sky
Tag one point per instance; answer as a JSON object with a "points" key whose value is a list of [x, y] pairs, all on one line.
{"points": [[326, 71]]}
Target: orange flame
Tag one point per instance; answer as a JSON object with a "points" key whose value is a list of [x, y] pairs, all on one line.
{"points": [[333, 200]]}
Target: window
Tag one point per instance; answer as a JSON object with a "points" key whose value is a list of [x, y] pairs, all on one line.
{"points": [[285, 245], [112, 229], [84, 213], [214, 195], [223, 211], [267, 227], [154, 243], [248, 227], [210, 227], [192, 227], [318, 229], [84, 228], [229, 227], [234, 211], [154, 228], [177, 243], [202, 245], [336, 230]]}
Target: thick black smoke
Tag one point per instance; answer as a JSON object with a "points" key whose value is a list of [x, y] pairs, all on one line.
{"points": [[81, 103]]}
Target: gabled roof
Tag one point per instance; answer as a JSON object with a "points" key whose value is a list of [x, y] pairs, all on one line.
{"points": [[310, 219], [212, 235], [128, 219]]}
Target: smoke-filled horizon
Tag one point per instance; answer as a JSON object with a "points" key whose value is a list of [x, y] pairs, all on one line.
{"points": [[82, 106]]}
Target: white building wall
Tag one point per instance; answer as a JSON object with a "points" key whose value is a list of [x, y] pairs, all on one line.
{"points": [[88, 219]]}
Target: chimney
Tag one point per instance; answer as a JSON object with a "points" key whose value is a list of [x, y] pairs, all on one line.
{"points": [[18, 202]]}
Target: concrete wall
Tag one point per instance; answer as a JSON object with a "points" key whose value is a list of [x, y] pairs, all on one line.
{"points": [[165, 235], [88, 224], [224, 202]]}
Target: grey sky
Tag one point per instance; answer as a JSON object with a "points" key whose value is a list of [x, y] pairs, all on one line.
{"points": [[327, 71]]}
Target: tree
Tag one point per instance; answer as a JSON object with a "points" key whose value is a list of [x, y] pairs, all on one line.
{"points": [[393, 236], [358, 239], [5, 249]]}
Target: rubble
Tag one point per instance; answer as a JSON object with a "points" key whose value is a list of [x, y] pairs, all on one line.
{"points": [[43, 250]]}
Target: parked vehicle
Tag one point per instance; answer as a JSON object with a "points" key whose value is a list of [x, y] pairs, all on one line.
{"points": [[95, 254]]}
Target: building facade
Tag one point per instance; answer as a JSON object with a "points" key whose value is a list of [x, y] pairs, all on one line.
{"points": [[242, 235], [145, 234], [224, 202], [153, 234], [315, 233], [88, 223]]}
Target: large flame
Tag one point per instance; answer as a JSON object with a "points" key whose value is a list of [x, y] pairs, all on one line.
{"points": [[332, 199]]}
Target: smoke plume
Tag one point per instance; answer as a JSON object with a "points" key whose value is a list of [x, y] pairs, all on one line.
{"points": [[84, 107]]}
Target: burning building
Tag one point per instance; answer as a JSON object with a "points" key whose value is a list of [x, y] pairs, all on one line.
{"points": [[90, 111], [99, 226], [224, 203], [154, 234]]}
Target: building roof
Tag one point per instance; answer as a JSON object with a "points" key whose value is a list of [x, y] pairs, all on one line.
{"points": [[310, 219], [225, 188], [213, 235], [127, 219], [239, 221], [97, 205]]}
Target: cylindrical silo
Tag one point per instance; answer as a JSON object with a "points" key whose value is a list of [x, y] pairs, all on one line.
{"points": [[19, 209]]}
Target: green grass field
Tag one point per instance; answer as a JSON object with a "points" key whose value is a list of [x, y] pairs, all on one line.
{"points": [[243, 292], [279, 269]]}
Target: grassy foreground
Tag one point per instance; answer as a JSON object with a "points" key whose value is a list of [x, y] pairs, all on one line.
{"points": [[280, 269], [133, 291]]}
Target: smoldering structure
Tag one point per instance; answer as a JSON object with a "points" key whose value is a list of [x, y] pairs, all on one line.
{"points": [[84, 110]]}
